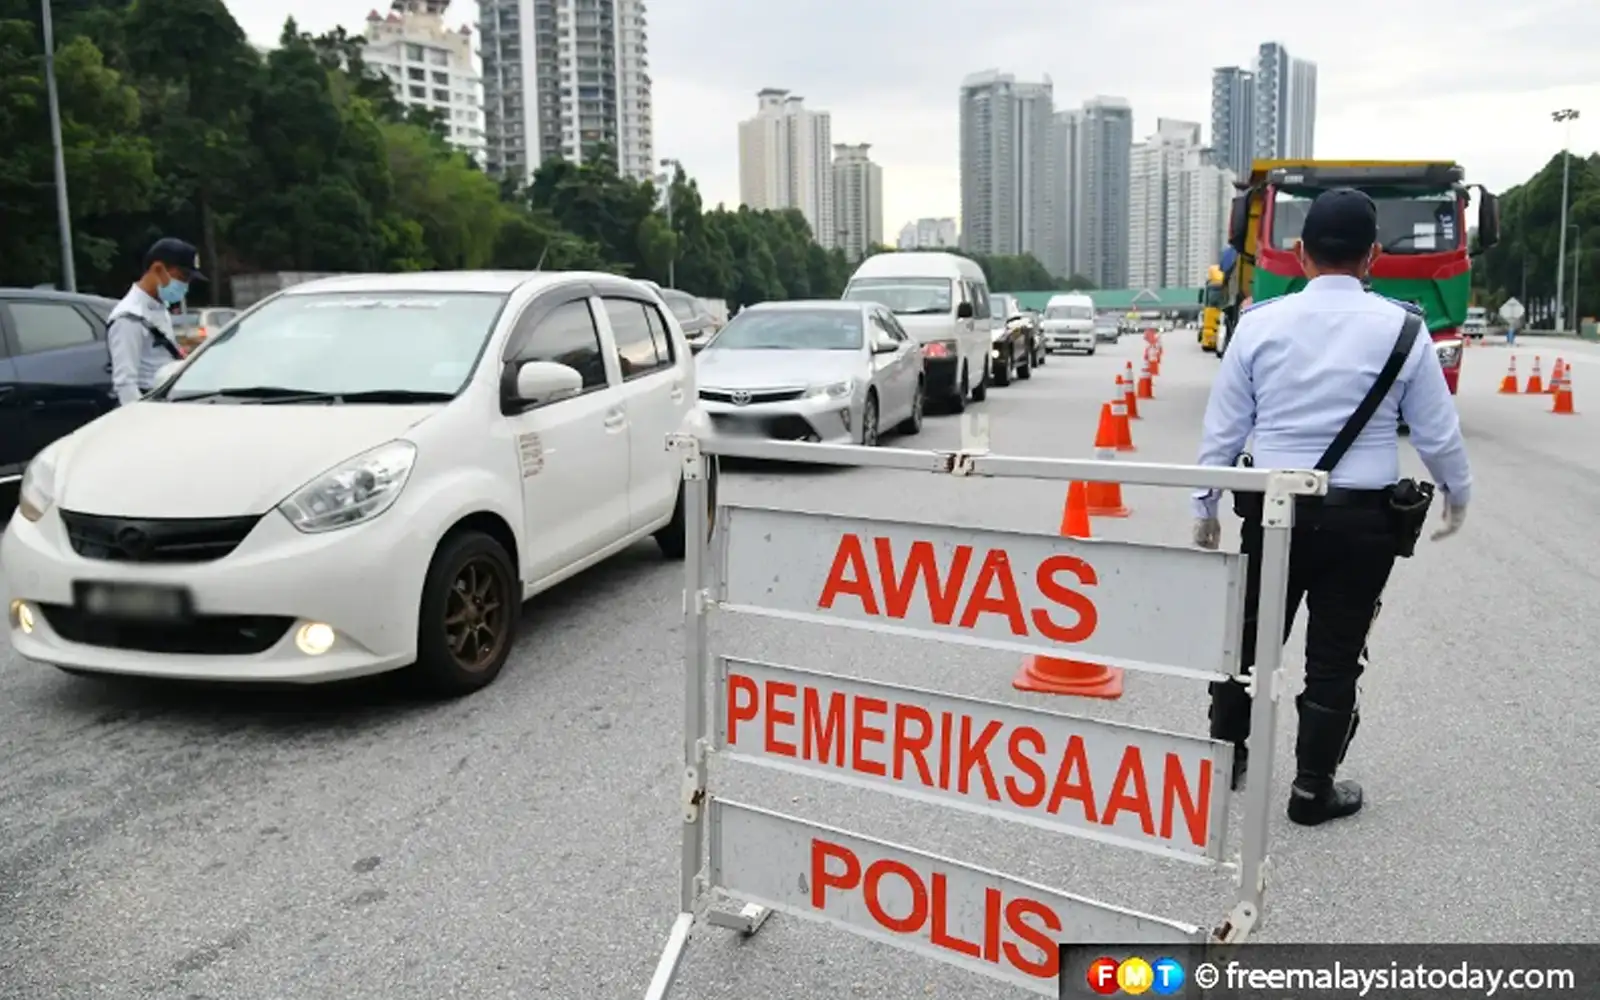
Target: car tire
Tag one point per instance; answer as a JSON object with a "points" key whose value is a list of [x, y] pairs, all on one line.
{"points": [[869, 420], [1090, 351], [980, 392], [1040, 355], [958, 402], [1003, 370], [471, 579], [1025, 367], [913, 423], [672, 539]]}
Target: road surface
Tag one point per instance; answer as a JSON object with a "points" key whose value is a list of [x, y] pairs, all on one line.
{"points": [[195, 844]]}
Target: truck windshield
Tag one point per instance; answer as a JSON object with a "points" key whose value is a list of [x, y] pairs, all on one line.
{"points": [[906, 296], [1409, 223]]}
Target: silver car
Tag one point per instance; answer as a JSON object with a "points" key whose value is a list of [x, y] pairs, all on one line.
{"points": [[825, 370]]}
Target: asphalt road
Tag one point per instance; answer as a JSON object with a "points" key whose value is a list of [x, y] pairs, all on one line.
{"points": [[195, 844]]}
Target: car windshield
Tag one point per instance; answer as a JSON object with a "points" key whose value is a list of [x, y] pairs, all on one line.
{"points": [[682, 306], [791, 330], [1069, 312], [906, 296], [1408, 222], [1001, 305], [379, 344], [1105, 323]]}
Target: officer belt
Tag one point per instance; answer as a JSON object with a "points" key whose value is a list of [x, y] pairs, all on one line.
{"points": [[1338, 496]]}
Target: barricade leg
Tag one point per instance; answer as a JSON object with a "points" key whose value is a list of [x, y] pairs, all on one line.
{"points": [[1266, 682]]}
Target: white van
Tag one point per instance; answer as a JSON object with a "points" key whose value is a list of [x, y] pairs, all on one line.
{"points": [[1068, 323], [942, 300]]}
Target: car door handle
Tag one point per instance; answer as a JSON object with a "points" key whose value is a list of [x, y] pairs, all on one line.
{"points": [[615, 420], [107, 368], [677, 392]]}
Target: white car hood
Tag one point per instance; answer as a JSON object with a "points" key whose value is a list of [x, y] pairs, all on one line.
{"points": [[214, 459], [728, 368]]}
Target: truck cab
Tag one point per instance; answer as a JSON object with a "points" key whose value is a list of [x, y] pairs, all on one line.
{"points": [[1477, 323], [1421, 228]]}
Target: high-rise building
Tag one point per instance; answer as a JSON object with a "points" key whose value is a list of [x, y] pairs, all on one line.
{"points": [[1064, 256], [785, 161], [566, 79], [857, 200], [1005, 197], [1178, 199], [430, 66], [1285, 104], [1233, 117], [1106, 139], [929, 234]]}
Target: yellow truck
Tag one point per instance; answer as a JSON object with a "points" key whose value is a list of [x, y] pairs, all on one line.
{"points": [[1211, 308]]}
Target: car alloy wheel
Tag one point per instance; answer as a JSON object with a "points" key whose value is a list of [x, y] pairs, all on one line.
{"points": [[476, 619], [869, 422]]}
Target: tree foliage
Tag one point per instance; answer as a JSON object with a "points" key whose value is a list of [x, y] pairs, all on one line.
{"points": [[304, 160], [1523, 264]]}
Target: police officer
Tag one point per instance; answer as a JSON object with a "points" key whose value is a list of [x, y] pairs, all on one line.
{"points": [[1297, 370], [140, 330]]}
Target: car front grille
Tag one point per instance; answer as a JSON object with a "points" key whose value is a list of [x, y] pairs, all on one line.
{"points": [[754, 396], [205, 635], [155, 540]]}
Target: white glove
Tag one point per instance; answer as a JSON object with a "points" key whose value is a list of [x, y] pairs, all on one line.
{"points": [[1207, 532], [1454, 518]]}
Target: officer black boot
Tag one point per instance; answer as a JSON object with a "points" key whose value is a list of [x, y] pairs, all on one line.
{"points": [[1230, 723], [1320, 746]]}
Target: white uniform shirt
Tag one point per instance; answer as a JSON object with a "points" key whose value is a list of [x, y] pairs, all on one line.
{"points": [[136, 357]]}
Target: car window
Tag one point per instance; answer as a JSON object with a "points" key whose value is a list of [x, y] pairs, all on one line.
{"points": [[567, 336], [891, 324], [663, 339], [980, 301], [880, 329], [682, 306], [48, 326], [637, 353]]}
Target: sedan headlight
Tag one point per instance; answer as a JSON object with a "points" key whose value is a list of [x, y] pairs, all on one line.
{"points": [[836, 390], [355, 491], [1449, 353], [37, 492]]}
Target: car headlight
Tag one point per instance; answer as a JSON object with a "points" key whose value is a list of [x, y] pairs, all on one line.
{"points": [[1449, 352], [37, 491], [836, 390], [352, 492]]}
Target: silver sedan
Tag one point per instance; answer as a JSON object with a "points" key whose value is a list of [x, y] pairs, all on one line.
{"points": [[822, 370]]}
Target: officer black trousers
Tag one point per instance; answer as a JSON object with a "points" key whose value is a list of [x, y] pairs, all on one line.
{"points": [[1340, 558]]}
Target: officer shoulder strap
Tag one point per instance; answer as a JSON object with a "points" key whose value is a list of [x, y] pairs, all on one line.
{"points": [[162, 340], [1358, 420]]}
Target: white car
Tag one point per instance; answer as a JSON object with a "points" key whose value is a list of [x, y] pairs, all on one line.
{"points": [[361, 474], [1068, 323]]}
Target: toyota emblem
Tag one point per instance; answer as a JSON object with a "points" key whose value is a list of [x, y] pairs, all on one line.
{"points": [[133, 542], [741, 398]]}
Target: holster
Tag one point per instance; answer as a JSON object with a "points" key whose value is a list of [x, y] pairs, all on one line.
{"points": [[1409, 502]]}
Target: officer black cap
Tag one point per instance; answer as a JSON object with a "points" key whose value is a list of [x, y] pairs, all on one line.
{"points": [[1342, 225], [177, 253]]}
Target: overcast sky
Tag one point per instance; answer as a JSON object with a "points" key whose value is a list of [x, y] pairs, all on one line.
{"points": [[1470, 80]]}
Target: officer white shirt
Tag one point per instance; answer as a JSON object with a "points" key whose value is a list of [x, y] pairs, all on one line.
{"points": [[1297, 368], [136, 356]]}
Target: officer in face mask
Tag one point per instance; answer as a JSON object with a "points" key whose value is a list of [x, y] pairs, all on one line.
{"points": [[140, 331]]}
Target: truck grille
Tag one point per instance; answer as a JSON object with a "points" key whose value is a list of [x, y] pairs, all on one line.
{"points": [[155, 540]]}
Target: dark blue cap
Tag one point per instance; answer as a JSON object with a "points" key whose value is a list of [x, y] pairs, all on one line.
{"points": [[175, 253], [1341, 225]]}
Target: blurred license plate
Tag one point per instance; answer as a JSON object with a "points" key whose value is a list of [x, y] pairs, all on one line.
{"points": [[133, 601]]}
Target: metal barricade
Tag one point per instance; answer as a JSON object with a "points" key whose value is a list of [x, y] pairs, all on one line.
{"points": [[1088, 599]]}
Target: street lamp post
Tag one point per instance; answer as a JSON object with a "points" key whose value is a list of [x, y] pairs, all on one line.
{"points": [[1577, 263], [69, 272], [672, 167], [1566, 116]]}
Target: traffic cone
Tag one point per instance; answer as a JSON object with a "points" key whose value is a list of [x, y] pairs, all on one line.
{"points": [[1563, 401], [1147, 384], [1105, 499], [1049, 675], [1556, 375], [1535, 381], [1130, 398], [1508, 385], [1119, 419], [1155, 362]]}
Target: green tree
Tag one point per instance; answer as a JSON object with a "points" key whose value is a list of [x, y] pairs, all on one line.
{"points": [[1523, 263]]}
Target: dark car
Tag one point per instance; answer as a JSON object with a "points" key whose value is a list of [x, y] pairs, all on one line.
{"points": [[1013, 350], [55, 375], [697, 322]]}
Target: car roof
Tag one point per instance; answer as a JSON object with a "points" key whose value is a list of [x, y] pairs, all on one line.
{"points": [[842, 305], [918, 264], [51, 293], [493, 282]]}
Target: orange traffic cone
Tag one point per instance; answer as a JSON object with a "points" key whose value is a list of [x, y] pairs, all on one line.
{"points": [[1508, 385], [1119, 419], [1556, 375], [1048, 675], [1147, 384], [1155, 362], [1563, 401], [1105, 499], [1130, 398], [1535, 381]]}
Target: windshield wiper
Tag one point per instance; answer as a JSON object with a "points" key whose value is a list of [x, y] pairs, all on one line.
{"points": [[279, 394], [256, 392], [927, 311]]}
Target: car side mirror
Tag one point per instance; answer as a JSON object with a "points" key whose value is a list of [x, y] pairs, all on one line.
{"points": [[964, 310], [541, 382], [1488, 220], [1239, 222], [885, 347], [166, 372]]}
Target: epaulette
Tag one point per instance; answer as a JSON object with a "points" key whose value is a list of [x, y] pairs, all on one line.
{"points": [[1252, 307], [1410, 307]]}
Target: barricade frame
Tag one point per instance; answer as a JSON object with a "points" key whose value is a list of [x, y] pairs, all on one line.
{"points": [[696, 454]]}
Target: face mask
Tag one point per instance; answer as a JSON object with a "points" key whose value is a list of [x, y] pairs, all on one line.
{"points": [[173, 291]]}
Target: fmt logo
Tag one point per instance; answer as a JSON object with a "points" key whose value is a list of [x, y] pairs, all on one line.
{"points": [[1134, 976]]}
